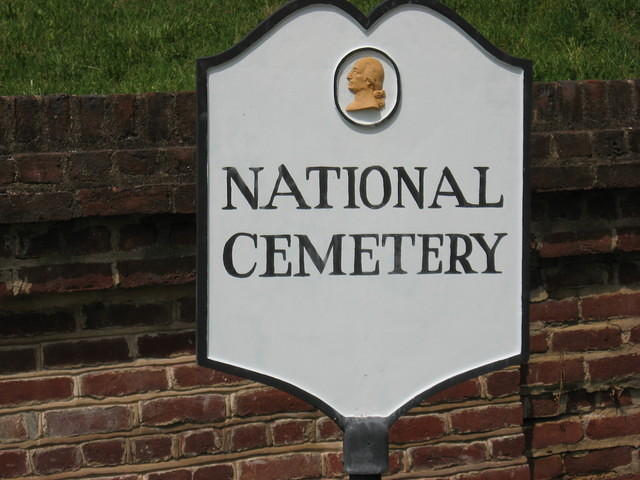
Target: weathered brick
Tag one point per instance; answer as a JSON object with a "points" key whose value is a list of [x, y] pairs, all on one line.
{"points": [[186, 117], [620, 100], [137, 235], [151, 449], [634, 335], [570, 103], [546, 468], [214, 472], [295, 466], [417, 428], [543, 406], [520, 472], [288, 432], [625, 175], [545, 103], [121, 117], [565, 244], [556, 433], [628, 239], [56, 459], [40, 168], [36, 323], [184, 198], [604, 306], [595, 102], [562, 177], [7, 124], [35, 390], [102, 453], [486, 418], [538, 342], [67, 278], [555, 372], [58, 114], [13, 428], [197, 408], [124, 201], [456, 393], [604, 369], [245, 437], [440, 456], [187, 309], [508, 447], [89, 420], [35, 207], [92, 109], [609, 143], [540, 145], [86, 240], [267, 402], [28, 123], [573, 144], [99, 315], [161, 271], [137, 162], [597, 460], [200, 442], [86, 352], [16, 360], [107, 384], [584, 339], [187, 376], [7, 170], [166, 344], [327, 429], [333, 464], [503, 383], [618, 426], [13, 463], [181, 161], [171, 475], [89, 168], [182, 232], [159, 113]]}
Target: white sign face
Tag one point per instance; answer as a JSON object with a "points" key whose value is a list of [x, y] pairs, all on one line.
{"points": [[363, 195]]}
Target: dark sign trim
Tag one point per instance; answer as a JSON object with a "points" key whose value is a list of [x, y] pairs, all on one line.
{"points": [[202, 195]]}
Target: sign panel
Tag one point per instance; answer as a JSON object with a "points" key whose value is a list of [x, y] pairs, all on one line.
{"points": [[362, 205]]}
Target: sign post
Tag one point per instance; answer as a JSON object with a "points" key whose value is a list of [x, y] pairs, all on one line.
{"points": [[362, 210]]}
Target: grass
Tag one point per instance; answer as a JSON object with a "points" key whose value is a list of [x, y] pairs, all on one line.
{"points": [[121, 46]]}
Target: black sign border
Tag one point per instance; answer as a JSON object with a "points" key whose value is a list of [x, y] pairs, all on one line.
{"points": [[202, 195]]}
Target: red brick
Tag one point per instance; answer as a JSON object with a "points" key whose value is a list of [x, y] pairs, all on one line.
{"points": [[17, 360], [538, 342], [123, 201], [327, 429], [333, 464], [487, 418], [161, 271], [166, 344], [40, 168], [36, 390], [546, 468], [567, 244], [35, 207], [106, 384], [554, 311], [89, 168], [7, 124], [151, 449], [555, 372], [595, 103], [171, 475], [546, 434], [544, 406], [604, 306], [127, 315], [195, 376], [560, 178], [570, 103], [186, 116], [28, 127], [182, 233], [86, 352], [159, 113], [545, 102], [58, 114], [267, 402], [503, 383], [197, 408], [137, 162], [296, 466], [200, 442], [416, 429], [13, 463], [57, 459], [101, 453], [13, 428], [36, 323], [634, 336], [187, 309], [540, 145], [583, 339], [609, 143], [628, 239], [245, 437], [92, 109], [214, 472], [618, 176], [608, 427], [84, 241], [573, 144], [612, 367], [457, 393], [287, 432], [508, 447], [121, 117], [37, 242], [185, 199], [439, 456], [621, 99], [89, 420], [597, 460], [520, 472], [7, 170], [137, 235], [67, 278], [181, 161]]}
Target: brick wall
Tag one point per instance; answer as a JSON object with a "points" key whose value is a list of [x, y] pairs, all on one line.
{"points": [[97, 374]]}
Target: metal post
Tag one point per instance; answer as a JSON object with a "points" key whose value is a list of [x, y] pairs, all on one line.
{"points": [[365, 477]]}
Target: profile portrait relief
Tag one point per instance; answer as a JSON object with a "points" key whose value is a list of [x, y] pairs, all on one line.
{"points": [[365, 81]]}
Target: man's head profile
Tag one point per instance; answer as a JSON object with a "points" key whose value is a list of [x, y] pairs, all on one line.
{"points": [[365, 82]]}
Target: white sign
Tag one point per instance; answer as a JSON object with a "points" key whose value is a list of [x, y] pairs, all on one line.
{"points": [[362, 205]]}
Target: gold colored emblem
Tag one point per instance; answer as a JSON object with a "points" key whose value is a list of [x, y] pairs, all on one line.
{"points": [[365, 82]]}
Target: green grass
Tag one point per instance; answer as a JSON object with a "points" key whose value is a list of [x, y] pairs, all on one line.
{"points": [[119, 46]]}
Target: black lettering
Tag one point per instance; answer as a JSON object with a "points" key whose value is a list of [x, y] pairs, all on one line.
{"points": [[227, 255], [426, 250], [460, 258], [283, 174], [386, 187], [270, 270], [397, 249], [490, 252], [323, 176], [351, 182], [455, 190], [482, 190], [358, 251], [251, 198], [416, 193], [335, 247]]}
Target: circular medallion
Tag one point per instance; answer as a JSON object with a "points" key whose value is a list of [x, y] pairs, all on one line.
{"points": [[367, 87]]}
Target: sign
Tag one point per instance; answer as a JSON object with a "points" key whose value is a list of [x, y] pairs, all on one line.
{"points": [[362, 208]]}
